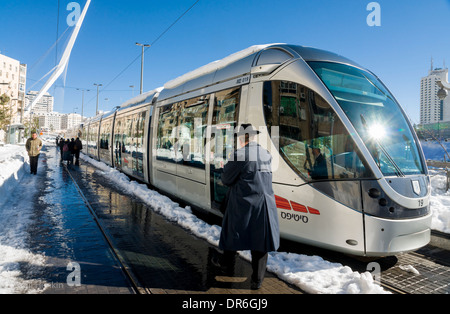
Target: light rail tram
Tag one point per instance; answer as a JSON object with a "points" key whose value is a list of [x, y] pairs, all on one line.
{"points": [[348, 171]]}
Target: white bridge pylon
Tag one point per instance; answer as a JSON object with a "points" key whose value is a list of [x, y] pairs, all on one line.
{"points": [[59, 69]]}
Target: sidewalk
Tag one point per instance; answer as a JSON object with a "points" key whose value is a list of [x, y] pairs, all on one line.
{"points": [[65, 251]]}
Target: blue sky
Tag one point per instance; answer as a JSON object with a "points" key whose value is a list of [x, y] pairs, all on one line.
{"points": [[398, 51]]}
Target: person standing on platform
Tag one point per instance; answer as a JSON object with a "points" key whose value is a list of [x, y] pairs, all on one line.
{"points": [[72, 151], [66, 151], [250, 221], [61, 147], [77, 148], [33, 147]]}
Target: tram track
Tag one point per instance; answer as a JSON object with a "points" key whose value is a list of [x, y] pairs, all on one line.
{"points": [[126, 269]]}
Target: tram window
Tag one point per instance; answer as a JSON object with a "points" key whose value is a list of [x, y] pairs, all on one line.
{"points": [[138, 167], [140, 130], [225, 119], [273, 56], [84, 135], [93, 136], [128, 135], [192, 127], [105, 134], [118, 130], [167, 126], [312, 139]]}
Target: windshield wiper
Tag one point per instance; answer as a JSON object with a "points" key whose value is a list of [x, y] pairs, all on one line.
{"points": [[378, 88], [398, 171]]}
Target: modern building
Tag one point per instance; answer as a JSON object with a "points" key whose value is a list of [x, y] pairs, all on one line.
{"points": [[70, 120], [45, 104], [50, 121], [432, 109], [13, 77]]}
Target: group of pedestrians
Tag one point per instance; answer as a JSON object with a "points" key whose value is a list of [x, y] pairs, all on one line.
{"points": [[69, 149]]}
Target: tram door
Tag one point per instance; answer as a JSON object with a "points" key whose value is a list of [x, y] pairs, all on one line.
{"points": [[190, 149], [138, 144], [224, 121], [129, 143]]}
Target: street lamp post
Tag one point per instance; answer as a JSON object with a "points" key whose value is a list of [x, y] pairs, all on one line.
{"points": [[96, 108], [142, 64], [73, 116], [82, 101]]}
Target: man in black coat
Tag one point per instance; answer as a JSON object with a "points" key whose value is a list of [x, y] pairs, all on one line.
{"points": [[77, 148], [250, 221], [72, 151]]}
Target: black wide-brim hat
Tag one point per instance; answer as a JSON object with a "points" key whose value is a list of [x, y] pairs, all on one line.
{"points": [[246, 128]]}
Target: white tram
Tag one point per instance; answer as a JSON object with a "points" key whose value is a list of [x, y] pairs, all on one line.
{"points": [[349, 173]]}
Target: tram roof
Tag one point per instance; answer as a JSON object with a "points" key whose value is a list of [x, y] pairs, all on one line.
{"points": [[145, 98], [314, 54], [234, 65], [239, 64]]}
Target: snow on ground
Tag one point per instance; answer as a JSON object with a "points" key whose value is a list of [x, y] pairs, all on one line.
{"points": [[440, 201], [14, 219], [13, 165]]}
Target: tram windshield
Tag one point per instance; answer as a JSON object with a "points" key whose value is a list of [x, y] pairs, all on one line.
{"points": [[375, 115]]}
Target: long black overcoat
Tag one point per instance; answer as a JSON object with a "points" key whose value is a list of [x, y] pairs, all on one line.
{"points": [[250, 221]]}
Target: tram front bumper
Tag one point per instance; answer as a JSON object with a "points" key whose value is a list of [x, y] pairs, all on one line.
{"points": [[385, 237]]}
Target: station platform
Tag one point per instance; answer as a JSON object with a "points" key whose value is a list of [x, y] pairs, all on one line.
{"points": [[162, 257]]}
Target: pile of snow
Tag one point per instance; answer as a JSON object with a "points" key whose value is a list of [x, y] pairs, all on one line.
{"points": [[440, 201], [313, 274], [13, 165], [12, 256], [310, 273]]}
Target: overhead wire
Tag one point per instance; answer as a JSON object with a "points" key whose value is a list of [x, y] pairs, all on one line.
{"points": [[152, 44]]}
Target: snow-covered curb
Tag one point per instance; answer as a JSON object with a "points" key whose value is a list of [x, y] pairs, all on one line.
{"points": [[310, 273], [13, 165], [439, 202]]}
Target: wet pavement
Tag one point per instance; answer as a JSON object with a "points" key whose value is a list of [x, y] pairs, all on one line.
{"points": [[78, 260], [163, 257]]}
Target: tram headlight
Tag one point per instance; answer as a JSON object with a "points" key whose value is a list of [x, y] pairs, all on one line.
{"points": [[377, 131]]}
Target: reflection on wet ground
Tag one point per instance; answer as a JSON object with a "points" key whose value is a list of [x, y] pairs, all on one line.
{"points": [[164, 257], [64, 231]]}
